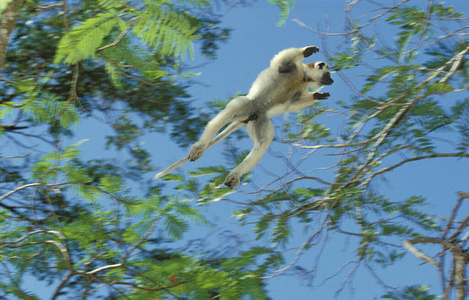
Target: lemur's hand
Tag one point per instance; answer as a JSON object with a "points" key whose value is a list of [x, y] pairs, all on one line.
{"points": [[310, 50], [321, 96]]}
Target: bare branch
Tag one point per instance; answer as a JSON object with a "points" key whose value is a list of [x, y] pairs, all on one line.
{"points": [[63, 250], [18, 156], [61, 285], [120, 37], [33, 185], [48, 7], [108, 267], [436, 155], [456, 61], [409, 245]]}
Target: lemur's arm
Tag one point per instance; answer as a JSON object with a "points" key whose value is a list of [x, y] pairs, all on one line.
{"points": [[306, 100]]}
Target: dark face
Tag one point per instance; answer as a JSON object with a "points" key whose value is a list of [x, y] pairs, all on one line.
{"points": [[326, 77]]}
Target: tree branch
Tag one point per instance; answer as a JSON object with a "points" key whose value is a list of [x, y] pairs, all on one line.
{"points": [[9, 16], [437, 155], [48, 7], [63, 250], [120, 37], [409, 245]]}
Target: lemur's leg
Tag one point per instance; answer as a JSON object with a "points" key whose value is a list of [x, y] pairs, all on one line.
{"points": [[238, 109], [261, 132]]}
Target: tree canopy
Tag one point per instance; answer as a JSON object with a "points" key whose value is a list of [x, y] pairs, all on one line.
{"points": [[74, 220]]}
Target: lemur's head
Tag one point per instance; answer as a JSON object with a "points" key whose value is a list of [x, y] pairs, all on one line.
{"points": [[318, 74]]}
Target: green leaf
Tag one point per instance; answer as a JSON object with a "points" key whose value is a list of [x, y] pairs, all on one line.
{"points": [[411, 292], [83, 40], [172, 177], [204, 171], [285, 8], [175, 226], [111, 184], [169, 31], [345, 60]]}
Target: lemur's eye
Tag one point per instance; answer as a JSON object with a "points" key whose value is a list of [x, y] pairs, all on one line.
{"points": [[321, 65]]}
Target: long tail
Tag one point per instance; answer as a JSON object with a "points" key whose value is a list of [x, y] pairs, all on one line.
{"points": [[228, 130]]}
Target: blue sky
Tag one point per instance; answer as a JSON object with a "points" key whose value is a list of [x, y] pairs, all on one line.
{"points": [[255, 39]]}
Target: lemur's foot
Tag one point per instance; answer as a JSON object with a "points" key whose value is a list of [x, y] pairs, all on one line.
{"points": [[232, 180], [252, 117], [196, 151], [310, 50]]}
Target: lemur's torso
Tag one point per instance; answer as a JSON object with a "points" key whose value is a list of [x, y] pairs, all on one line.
{"points": [[272, 90]]}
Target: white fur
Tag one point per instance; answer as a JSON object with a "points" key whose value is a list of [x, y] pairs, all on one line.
{"points": [[283, 87]]}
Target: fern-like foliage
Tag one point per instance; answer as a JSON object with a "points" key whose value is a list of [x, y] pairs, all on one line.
{"points": [[83, 41], [285, 8], [167, 30], [157, 27]]}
